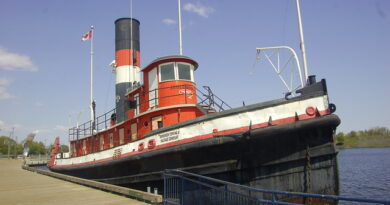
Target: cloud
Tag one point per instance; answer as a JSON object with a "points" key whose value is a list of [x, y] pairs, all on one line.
{"points": [[5, 81], [169, 21], [61, 128], [38, 104], [4, 94], [8, 127], [13, 61], [199, 9], [36, 131]]}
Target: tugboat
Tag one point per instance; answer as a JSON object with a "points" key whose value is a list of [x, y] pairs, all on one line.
{"points": [[168, 123]]}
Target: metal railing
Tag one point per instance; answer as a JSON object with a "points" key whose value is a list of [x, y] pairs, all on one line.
{"points": [[211, 100], [103, 121], [206, 97], [81, 131], [86, 129], [182, 187]]}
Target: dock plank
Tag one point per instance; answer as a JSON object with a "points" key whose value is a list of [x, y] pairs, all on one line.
{"points": [[18, 186]]}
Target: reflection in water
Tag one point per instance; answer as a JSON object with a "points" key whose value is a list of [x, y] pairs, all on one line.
{"points": [[365, 172]]}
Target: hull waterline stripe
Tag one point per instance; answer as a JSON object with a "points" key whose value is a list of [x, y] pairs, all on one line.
{"points": [[202, 137]]}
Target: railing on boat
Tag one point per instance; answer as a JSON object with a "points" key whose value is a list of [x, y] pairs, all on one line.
{"points": [[103, 122], [182, 187]]}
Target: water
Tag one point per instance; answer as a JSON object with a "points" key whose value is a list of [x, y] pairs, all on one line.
{"points": [[365, 173]]}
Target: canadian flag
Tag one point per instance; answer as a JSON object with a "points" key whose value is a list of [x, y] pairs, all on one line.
{"points": [[87, 36]]}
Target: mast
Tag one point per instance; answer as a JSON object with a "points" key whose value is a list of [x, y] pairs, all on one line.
{"points": [[91, 105], [180, 37], [303, 50]]}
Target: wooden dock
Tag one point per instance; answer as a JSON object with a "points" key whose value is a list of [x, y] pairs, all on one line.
{"points": [[19, 186]]}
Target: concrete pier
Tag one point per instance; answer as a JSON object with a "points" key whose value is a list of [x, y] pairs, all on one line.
{"points": [[18, 186]]}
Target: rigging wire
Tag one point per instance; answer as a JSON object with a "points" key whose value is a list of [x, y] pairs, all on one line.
{"points": [[131, 34], [109, 87], [284, 23], [257, 58]]}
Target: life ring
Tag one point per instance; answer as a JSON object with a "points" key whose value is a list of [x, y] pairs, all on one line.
{"points": [[141, 146], [310, 111], [151, 143], [332, 108]]}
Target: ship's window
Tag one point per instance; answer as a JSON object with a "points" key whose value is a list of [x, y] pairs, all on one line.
{"points": [[176, 71], [157, 122], [167, 72], [184, 71], [133, 131]]}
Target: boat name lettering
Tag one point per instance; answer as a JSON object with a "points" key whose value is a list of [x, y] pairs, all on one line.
{"points": [[186, 92], [169, 136]]}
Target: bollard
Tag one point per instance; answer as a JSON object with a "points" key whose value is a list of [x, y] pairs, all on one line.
{"points": [[155, 191], [148, 189]]}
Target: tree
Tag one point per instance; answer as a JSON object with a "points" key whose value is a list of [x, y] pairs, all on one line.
{"points": [[37, 148], [63, 148], [352, 134], [8, 143], [340, 138]]}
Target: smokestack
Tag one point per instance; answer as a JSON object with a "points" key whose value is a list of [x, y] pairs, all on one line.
{"points": [[127, 58]]}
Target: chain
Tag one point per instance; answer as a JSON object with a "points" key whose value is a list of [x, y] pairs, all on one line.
{"points": [[308, 161]]}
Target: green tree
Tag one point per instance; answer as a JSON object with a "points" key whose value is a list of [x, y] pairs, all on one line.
{"points": [[63, 148], [8, 143], [37, 148], [340, 138], [352, 134]]}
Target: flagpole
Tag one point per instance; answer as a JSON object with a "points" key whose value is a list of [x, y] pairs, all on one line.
{"points": [[180, 37], [92, 115], [303, 50]]}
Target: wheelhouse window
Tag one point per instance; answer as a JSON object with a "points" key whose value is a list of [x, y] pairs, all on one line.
{"points": [[176, 71], [184, 71], [167, 72]]}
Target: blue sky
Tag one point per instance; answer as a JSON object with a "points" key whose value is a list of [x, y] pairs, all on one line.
{"points": [[44, 66]]}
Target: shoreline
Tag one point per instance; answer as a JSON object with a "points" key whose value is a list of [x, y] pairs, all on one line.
{"points": [[339, 147]]}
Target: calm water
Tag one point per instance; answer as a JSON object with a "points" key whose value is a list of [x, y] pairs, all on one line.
{"points": [[365, 172]]}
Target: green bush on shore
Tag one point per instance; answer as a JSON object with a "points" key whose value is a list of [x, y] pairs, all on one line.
{"points": [[374, 137], [15, 148]]}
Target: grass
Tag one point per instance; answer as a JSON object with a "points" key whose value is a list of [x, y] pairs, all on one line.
{"points": [[365, 142]]}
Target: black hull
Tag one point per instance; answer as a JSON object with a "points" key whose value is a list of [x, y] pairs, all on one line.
{"points": [[298, 157]]}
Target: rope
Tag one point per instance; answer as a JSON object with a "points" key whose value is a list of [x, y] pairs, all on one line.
{"points": [[254, 63]]}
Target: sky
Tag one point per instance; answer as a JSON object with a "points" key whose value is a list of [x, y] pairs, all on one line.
{"points": [[44, 65]]}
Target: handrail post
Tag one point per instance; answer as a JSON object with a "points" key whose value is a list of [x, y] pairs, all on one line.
{"points": [[185, 94], [225, 195], [273, 198], [105, 121], [97, 124], [182, 192], [155, 97], [165, 188], [91, 127]]}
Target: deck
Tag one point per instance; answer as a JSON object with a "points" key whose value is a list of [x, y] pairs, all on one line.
{"points": [[18, 186]]}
